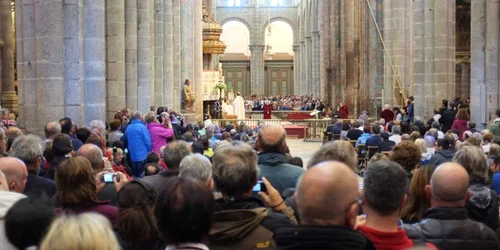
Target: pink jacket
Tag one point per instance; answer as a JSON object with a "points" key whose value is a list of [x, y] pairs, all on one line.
{"points": [[461, 126], [159, 135]]}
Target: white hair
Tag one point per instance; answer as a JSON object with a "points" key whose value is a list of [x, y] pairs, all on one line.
{"points": [[196, 166], [97, 124]]}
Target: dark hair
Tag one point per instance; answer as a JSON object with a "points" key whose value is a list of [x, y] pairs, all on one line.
{"points": [[119, 144], [385, 187], [61, 144], [385, 136], [447, 142], [375, 129], [155, 166], [66, 125], [153, 158], [197, 147], [184, 211], [296, 161], [96, 140], [83, 134], [136, 224], [27, 221], [115, 124]]}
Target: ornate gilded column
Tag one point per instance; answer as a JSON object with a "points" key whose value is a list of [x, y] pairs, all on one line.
{"points": [[9, 98]]}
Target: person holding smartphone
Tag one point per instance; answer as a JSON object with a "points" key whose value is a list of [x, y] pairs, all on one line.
{"points": [[159, 133]]}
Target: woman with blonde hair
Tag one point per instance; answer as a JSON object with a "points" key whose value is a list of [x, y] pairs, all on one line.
{"points": [[417, 203], [86, 231], [422, 145]]}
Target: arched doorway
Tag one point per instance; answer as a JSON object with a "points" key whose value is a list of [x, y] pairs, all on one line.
{"points": [[236, 59], [278, 59]]}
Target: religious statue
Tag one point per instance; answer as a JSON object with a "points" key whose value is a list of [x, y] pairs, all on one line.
{"points": [[188, 95]]}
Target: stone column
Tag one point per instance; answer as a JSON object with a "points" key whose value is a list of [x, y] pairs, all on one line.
{"points": [[74, 94], [177, 82], [9, 98], [198, 59], [115, 56], [187, 52], [303, 68], [484, 60], [257, 69], [168, 62], [131, 53], [324, 23], [158, 55], [94, 56], [315, 64], [309, 66], [296, 69], [143, 55], [419, 79]]}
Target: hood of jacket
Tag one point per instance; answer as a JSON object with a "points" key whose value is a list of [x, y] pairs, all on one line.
{"points": [[480, 196], [7, 199], [446, 153], [235, 225], [272, 159]]}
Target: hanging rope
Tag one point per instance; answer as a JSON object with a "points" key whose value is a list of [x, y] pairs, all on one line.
{"points": [[395, 74]]}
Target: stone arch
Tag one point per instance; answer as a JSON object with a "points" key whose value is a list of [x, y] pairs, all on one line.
{"points": [[283, 19], [238, 38], [237, 19], [282, 39]]}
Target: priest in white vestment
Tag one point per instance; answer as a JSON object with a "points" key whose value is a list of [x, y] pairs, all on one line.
{"points": [[239, 106], [227, 108]]}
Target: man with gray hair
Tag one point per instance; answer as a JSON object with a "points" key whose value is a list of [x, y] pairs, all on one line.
{"points": [[197, 166], [483, 203], [138, 142], [396, 134], [94, 154], [29, 149], [97, 127]]}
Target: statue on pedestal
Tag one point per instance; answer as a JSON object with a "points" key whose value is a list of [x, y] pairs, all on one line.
{"points": [[188, 96]]}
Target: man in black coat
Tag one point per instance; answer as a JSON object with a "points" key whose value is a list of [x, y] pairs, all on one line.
{"points": [[447, 118], [29, 149], [327, 201], [446, 224], [355, 132]]}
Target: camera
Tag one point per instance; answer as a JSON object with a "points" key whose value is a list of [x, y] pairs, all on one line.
{"points": [[108, 177], [259, 187]]}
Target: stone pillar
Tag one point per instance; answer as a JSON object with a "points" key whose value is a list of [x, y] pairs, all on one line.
{"points": [[309, 66], [198, 59], [303, 68], [315, 64], [131, 53], [484, 60], [177, 82], [257, 69], [94, 56], [74, 61], [143, 55], [9, 98], [115, 56], [419, 63], [296, 69], [158, 52], [168, 62], [376, 59], [187, 43], [324, 32]]}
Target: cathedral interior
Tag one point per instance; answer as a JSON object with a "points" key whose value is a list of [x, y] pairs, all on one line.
{"points": [[87, 59]]}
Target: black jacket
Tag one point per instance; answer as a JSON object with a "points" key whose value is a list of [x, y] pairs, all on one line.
{"points": [[319, 238], [482, 206], [449, 228], [442, 156], [447, 119], [37, 186], [385, 146], [354, 134]]}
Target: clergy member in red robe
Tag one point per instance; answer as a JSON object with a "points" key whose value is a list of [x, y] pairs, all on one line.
{"points": [[267, 109], [387, 114], [343, 111]]}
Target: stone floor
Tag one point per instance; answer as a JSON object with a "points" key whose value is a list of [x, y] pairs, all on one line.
{"points": [[302, 149]]}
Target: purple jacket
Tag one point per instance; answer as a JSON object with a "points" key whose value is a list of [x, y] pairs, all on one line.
{"points": [[103, 208], [159, 135]]}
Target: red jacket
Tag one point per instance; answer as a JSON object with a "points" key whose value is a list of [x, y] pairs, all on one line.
{"points": [[344, 112], [389, 241], [387, 115], [461, 126]]}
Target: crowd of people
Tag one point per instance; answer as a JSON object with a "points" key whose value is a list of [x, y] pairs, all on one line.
{"points": [[149, 181]]}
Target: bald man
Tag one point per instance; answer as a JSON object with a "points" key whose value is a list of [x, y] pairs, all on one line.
{"points": [[7, 200], [16, 173], [273, 163], [446, 224], [51, 130], [327, 200]]}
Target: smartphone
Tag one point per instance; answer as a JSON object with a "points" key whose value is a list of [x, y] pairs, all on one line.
{"points": [[260, 187], [108, 177]]}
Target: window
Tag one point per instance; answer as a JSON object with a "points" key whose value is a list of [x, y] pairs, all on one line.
{"points": [[232, 3], [276, 2]]}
